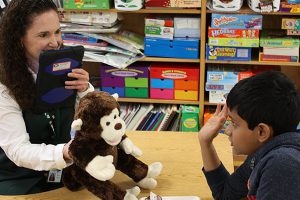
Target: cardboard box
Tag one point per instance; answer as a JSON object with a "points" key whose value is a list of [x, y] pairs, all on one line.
{"points": [[277, 38], [189, 95], [237, 21], [186, 84], [156, 21], [112, 90], [173, 3], [136, 92], [276, 58], [290, 23], [159, 32], [87, 4], [293, 32], [228, 53], [160, 93], [233, 42], [187, 27], [112, 81], [218, 86], [175, 71], [291, 8], [221, 78], [136, 82], [177, 48], [190, 119], [161, 83], [217, 96], [233, 33], [135, 70]]}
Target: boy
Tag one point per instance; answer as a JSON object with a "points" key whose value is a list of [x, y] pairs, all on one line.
{"points": [[265, 112]]}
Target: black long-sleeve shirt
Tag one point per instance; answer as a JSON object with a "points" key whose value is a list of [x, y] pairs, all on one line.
{"points": [[271, 173]]}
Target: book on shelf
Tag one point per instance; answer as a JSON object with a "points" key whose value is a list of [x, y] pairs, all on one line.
{"points": [[176, 125], [140, 115], [144, 121], [133, 111], [154, 120], [172, 121], [159, 120], [148, 121]]}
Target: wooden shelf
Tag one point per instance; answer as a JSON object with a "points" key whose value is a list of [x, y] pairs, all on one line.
{"points": [[206, 103], [162, 10], [253, 63], [247, 10], [157, 59], [159, 101]]}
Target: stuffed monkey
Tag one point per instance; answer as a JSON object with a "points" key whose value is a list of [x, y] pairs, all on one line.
{"points": [[100, 147]]}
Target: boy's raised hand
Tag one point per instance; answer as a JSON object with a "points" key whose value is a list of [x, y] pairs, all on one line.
{"points": [[210, 130]]}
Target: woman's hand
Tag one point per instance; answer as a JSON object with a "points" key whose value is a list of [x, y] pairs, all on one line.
{"points": [[82, 80], [210, 130], [66, 152]]}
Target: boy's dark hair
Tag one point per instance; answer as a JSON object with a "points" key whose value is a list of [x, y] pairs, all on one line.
{"points": [[14, 74], [269, 97]]}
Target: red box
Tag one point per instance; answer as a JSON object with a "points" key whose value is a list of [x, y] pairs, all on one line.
{"points": [[174, 71], [233, 33], [173, 3]]}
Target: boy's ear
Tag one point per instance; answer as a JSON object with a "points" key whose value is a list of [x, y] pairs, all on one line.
{"points": [[265, 132]]}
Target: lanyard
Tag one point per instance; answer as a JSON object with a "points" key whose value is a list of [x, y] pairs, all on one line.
{"points": [[51, 118]]}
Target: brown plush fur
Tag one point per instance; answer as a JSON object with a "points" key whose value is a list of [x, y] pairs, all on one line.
{"points": [[88, 144]]}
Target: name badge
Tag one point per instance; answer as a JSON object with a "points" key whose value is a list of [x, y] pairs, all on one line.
{"points": [[54, 176]]}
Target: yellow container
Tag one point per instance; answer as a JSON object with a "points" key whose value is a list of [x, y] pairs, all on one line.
{"points": [[186, 95]]}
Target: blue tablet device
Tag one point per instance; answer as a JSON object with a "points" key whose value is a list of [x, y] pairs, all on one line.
{"points": [[54, 65]]}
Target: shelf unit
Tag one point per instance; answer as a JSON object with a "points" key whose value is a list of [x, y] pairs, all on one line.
{"points": [[135, 23], [269, 21]]}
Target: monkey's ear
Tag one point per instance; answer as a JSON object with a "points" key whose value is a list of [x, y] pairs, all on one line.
{"points": [[76, 124], [116, 96]]}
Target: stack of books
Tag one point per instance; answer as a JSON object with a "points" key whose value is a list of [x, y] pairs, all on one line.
{"points": [[147, 117], [277, 46], [231, 36]]}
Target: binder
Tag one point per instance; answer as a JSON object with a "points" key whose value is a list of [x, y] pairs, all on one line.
{"points": [[151, 124], [54, 65], [169, 120], [159, 121], [142, 123], [148, 121]]}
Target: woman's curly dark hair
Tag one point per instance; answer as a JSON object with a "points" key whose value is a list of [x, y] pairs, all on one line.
{"points": [[14, 74]]}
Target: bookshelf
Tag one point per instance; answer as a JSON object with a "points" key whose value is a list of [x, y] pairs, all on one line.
{"points": [[271, 20], [134, 21]]}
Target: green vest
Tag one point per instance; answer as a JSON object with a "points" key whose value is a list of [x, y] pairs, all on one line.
{"points": [[51, 128]]}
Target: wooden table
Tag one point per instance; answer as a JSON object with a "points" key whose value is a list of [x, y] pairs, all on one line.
{"points": [[181, 176]]}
